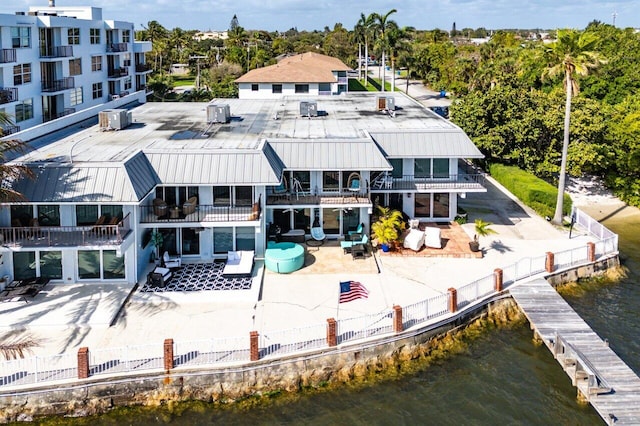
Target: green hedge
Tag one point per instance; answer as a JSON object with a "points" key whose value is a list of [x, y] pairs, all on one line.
{"points": [[531, 190]]}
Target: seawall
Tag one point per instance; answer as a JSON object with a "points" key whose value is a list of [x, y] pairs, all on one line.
{"points": [[290, 374]]}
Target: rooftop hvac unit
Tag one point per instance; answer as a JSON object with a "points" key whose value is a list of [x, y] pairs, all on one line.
{"points": [[114, 119], [309, 108], [218, 113], [386, 103]]}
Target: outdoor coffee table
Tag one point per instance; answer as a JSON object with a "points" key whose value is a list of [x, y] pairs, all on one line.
{"points": [[358, 251]]}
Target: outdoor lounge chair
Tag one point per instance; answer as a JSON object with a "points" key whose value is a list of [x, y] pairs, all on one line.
{"points": [[432, 237], [159, 207], [189, 206], [282, 190], [318, 237], [171, 261], [239, 264], [358, 230], [414, 240], [348, 244]]}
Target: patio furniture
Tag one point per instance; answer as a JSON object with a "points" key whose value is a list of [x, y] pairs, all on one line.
{"points": [[432, 237], [358, 251], [414, 223], [24, 289], [171, 261], [347, 245], [384, 181], [353, 182], [293, 236], [239, 264], [318, 237], [282, 190], [174, 212], [283, 258], [159, 277], [160, 207], [189, 206], [358, 230], [414, 240]]}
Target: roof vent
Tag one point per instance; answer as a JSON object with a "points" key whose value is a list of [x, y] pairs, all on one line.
{"points": [[385, 103], [218, 113], [114, 119], [309, 108]]}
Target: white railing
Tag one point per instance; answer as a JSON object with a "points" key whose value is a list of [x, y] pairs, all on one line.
{"points": [[276, 343], [211, 351], [300, 339]]}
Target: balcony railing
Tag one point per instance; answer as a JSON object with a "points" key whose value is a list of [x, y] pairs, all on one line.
{"points": [[118, 72], [58, 85], [8, 130], [8, 94], [56, 52], [385, 182], [202, 213], [7, 56], [324, 198], [66, 236], [143, 67], [49, 117], [116, 47]]}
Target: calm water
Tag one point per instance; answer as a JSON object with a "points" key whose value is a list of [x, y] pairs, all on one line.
{"points": [[502, 379]]}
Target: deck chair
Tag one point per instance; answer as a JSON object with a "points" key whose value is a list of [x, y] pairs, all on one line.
{"points": [[353, 182], [318, 234], [358, 230], [171, 261], [282, 190]]}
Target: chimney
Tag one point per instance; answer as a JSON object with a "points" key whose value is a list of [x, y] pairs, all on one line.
{"points": [[52, 3]]}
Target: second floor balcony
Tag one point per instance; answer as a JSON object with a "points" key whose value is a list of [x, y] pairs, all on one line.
{"points": [[58, 85], [66, 236], [7, 56], [118, 72], [143, 68], [56, 51], [458, 181], [198, 213], [8, 94], [10, 129], [116, 47]]}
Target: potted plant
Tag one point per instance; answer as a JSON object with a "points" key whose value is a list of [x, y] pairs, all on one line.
{"points": [[482, 229], [157, 239], [388, 227]]}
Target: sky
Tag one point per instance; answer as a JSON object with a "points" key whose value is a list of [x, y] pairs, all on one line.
{"points": [[281, 15]]}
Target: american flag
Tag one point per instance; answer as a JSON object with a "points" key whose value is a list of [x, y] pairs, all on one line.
{"points": [[352, 290]]}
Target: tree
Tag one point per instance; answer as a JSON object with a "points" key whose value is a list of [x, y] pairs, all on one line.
{"points": [[10, 172], [570, 55], [382, 25], [362, 34]]}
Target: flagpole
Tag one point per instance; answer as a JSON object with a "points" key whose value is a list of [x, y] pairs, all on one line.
{"points": [[338, 309]]}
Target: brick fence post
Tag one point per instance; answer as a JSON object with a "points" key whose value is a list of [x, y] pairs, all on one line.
{"points": [[332, 340], [83, 363], [591, 252], [254, 348], [549, 265], [397, 319], [168, 354], [453, 299], [497, 279]]}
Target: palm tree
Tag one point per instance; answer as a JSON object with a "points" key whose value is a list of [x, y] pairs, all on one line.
{"points": [[397, 42], [382, 25], [362, 33], [570, 55], [10, 172]]}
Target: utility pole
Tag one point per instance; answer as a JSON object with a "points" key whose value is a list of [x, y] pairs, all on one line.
{"points": [[197, 58], [614, 15]]}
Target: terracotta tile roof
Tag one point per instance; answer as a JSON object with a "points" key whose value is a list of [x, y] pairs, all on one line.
{"points": [[308, 67]]}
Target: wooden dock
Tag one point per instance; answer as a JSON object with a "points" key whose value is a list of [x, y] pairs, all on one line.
{"points": [[601, 377]]}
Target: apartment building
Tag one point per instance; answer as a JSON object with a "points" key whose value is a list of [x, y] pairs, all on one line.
{"points": [[216, 177], [56, 61]]}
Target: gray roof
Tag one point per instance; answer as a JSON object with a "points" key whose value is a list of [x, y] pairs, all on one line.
{"points": [[221, 167], [424, 143], [91, 182], [352, 154]]}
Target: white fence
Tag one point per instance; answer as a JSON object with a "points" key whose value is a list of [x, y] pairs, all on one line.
{"points": [[276, 343]]}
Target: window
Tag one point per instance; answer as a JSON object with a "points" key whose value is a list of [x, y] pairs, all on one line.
{"points": [[76, 96], [94, 35], [96, 63], [396, 163], [24, 265], [97, 90], [255, 87], [96, 264], [302, 88], [86, 215], [222, 240], [422, 168], [331, 221], [276, 88], [126, 60], [21, 215], [431, 168], [441, 168], [330, 181], [126, 36], [245, 238], [88, 264], [48, 215], [244, 195], [73, 35], [21, 74], [24, 110], [75, 66], [127, 83], [441, 205], [51, 264], [20, 37], [221, 196]]}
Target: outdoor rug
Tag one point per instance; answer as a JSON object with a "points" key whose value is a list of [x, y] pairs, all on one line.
{"points": [[200, 277]]}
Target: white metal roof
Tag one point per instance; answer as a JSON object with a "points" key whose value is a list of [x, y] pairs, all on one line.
{"points": [[452, 143]]}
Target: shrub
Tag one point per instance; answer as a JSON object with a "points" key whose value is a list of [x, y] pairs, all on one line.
{"points": [[531, 190]]}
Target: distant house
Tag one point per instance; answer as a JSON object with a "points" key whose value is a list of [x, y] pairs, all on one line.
{"points": [[306, 74], [211, 35]]}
